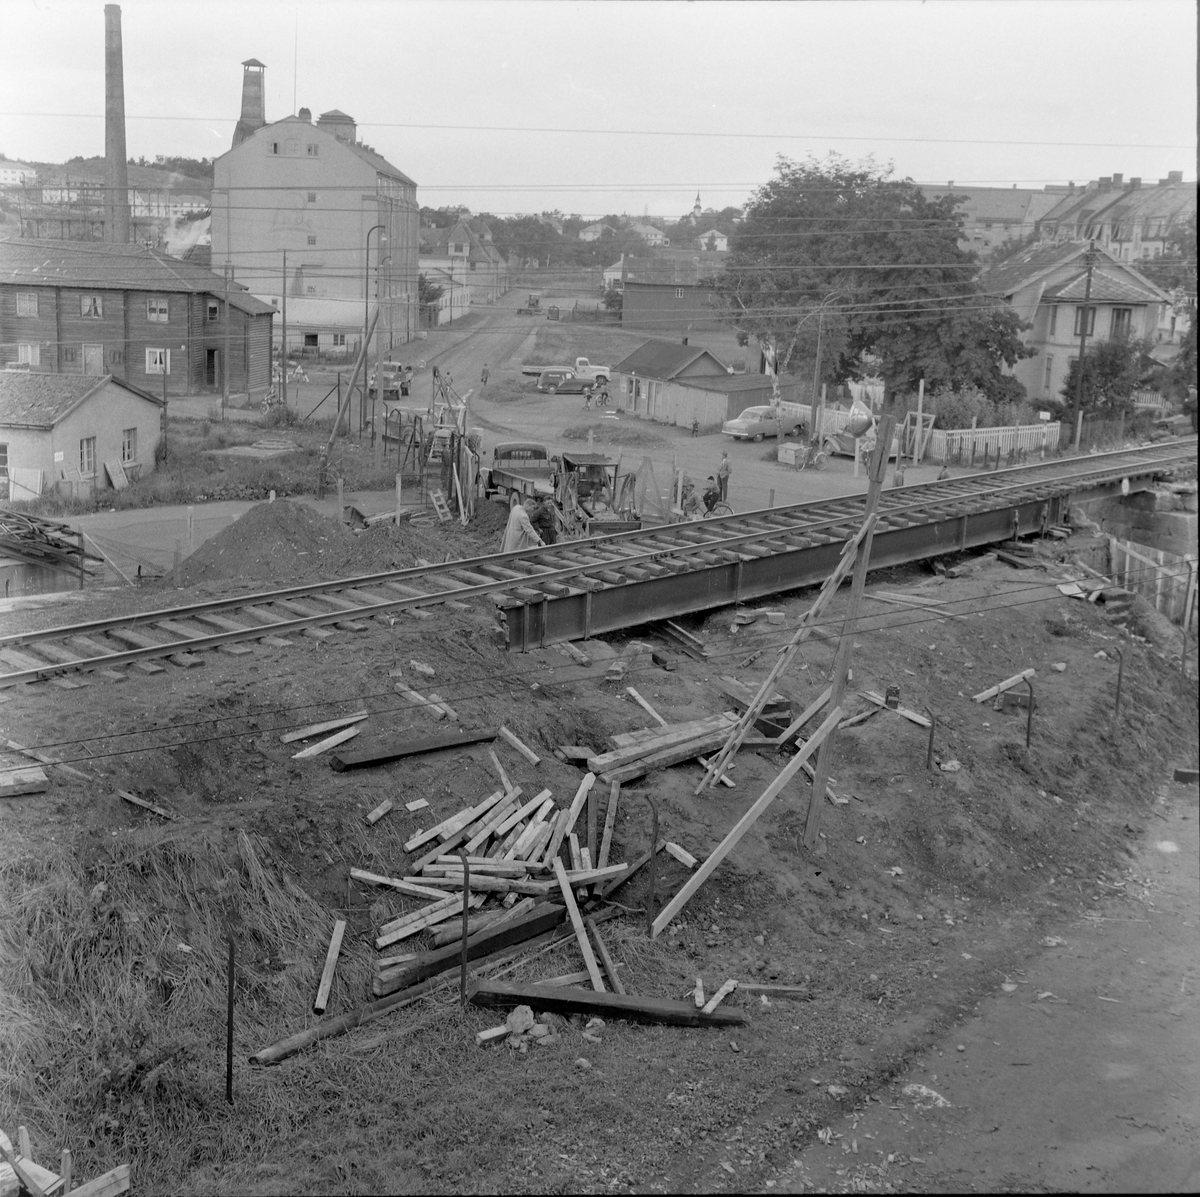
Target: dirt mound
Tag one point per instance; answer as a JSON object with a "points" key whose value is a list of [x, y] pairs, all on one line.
{"points": [[388, 546], [273, 540]]}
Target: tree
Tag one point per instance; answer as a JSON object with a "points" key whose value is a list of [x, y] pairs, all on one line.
{"points": [[1176, 269], [614, 300], [1113, 370], [840, 251], [428, 293]]}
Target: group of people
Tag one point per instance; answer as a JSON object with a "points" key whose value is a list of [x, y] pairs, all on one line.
{"points": [[602, 399], [530, 523]]}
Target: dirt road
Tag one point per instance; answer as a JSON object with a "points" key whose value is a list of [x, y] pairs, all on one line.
{"points": [[1081, 1074]]}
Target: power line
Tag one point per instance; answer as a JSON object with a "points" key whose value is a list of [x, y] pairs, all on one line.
{"points": [[579, 131]]}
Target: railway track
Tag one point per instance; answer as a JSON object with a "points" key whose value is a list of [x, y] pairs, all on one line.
{"points": [[582, 588]]}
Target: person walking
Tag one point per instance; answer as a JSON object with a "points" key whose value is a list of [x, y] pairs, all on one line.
{"points": [[695, 428], [484, 376], [723, 472]]}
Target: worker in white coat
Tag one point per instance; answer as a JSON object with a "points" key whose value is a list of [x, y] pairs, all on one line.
{"points": [[520, 533]]}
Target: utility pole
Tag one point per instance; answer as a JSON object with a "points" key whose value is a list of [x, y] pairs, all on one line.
{"points": [[283, 342], [225, 351], [378, 399], [1090, 258]]}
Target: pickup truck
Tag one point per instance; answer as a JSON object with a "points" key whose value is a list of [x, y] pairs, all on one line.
{"points": [[581, 369], [521, 470]]}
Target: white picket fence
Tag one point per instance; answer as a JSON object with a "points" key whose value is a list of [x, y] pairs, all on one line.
{"points": [[1168, 581], [1149, 401], [961, 444]]}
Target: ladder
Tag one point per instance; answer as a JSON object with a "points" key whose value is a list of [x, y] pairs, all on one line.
{"points": [[440, 506]]}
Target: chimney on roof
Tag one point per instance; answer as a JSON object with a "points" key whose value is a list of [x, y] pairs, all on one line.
{"points": [[1174, 176], [254, 111], [116, 168], [305, 115], [1118, 180], [339, 124], [1134, 183], [1104, 183]]}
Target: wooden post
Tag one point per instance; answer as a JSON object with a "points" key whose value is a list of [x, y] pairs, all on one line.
{"points": [[341, 502], [81, 561], [920, 408], [857, 454], [191, 526], [841, 664], [771, 498], [974, 421], [398, 489], [1158, 580]]}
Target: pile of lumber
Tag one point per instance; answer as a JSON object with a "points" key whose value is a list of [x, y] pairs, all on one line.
{"points": [[640, 752], [21, 1173]]}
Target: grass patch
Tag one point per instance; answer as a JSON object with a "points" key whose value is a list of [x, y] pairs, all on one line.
{"points": [[561, 344], [610, 432]]}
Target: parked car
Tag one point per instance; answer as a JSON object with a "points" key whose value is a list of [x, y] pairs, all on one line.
{"points": [[842, 444], [567, 382], [756, 422]]}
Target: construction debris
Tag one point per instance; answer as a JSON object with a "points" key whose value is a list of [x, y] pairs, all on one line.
{"points": [[527, 752], [1007, 684], [718, 997], [29, 780], [385, 754], [569, 1000], [331, 957], [134, 800], [316, 729]]}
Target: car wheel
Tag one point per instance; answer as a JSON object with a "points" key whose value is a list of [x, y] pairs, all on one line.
{"points": [[795, 431], [552, 390], [757, 437], [513, 499]]}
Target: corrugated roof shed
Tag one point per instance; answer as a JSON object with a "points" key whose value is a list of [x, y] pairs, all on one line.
{"points": [[111, 267], [664, 359], [40, 400]]}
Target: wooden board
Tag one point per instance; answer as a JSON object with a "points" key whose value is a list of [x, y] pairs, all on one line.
{"points": [[567, 1001], [338, 737], [117, 475], [331, 958], [405, 887], [585, 947], [107, 1185], [676, 755], [31, 780], [315, 729], [134, 800], [459, 821], [527, 752], [543, 917], [669, 737], [746, 821], [383, 754]]}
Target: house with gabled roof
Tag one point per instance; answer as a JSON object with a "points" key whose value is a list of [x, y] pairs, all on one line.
{"points": [[95, 308], [1046, 285]]}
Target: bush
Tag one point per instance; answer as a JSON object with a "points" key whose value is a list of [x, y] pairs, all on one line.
{"points": [[956, 409]]}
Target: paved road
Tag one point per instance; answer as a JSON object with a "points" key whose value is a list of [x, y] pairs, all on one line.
{"points": [[1084, 1078]]}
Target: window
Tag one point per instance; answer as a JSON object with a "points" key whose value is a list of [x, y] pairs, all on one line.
{"points": [[459, 248], [313, 150], [156, 359], [272, 147], [31, 355], [1049, 374], [312, 197], [91, 306], [310, 290], [116, 357], [1122, 321], [1091, 320], [27, 303], [312, 238], [339, 340], [157, 311], [678, 292], [1053, 321], [310, 341], [70, 355], [214, 311], [128, 446], [87, 456]]}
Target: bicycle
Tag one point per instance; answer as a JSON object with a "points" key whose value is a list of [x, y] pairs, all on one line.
{"points": [[272, 401], [812, 456]]}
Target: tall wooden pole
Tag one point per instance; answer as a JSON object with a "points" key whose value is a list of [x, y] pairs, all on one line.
{"points": [[841, 663], [1089, 258], [283, 342]]}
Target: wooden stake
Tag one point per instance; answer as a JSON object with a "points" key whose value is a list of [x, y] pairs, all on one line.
{"points": [[315, 729], [567, 822], [500, 771], [744, 824], [610, 818], [381, 810], [1007, 684], [585, 947], [698, 994], [333, 741], [718, 997], [136, 801], [331, 958], [645, 706], [841, 663], [609, 967]]}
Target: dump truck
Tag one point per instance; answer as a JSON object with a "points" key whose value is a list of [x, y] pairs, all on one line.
{"points": [[521, 470]]}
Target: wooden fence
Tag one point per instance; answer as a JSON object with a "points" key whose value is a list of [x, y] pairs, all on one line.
{"points": [[1168, 581], [964, 446]]}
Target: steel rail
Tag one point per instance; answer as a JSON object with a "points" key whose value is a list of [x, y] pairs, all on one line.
{"points": [[983, 495]]}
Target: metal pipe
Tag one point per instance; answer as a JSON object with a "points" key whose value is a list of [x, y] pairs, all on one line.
{"points": [[1120, 678], [932, 728]]}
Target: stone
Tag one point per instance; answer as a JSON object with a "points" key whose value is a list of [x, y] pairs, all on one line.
{"points": [[519, 1020], [1059, 667]]}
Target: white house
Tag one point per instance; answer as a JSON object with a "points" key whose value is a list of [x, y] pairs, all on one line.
{"points": [[714, 240]]}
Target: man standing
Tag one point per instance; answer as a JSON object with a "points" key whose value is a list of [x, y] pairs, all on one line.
{"points": [[484, 376], [723, 472], [519, 534], [542, 521]]}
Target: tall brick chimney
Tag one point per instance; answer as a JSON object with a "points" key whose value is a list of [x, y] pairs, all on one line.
{"points": [[254, 106], [116, 168]]}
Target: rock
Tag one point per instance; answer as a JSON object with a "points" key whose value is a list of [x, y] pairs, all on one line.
{"points": [[1101, 655], [595, 1024], [520, 1020], [758, 939], [422, 669], [582, 1063], [590, 1037], [950, 766], [539, 1030], [546, 1040], [1059, 667]]}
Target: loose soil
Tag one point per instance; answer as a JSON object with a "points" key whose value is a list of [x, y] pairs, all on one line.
{"points": [[927, 890]]}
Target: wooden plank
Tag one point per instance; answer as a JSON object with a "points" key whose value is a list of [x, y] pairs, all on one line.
{"points": [[511, 739], [610, 818], [482, 883], [381, 810], [616, 882], [136, 801], [315, 729], [107, 1185], [448, 908], [543, 917], [718, 997], [491, 1035], [682, 855], [405, 887], [331, 959], [805, 715], [879, 701], [610, 968], [646, 706], [456, 822], [568, 1001], [685, 640], [567, 822], [745, 822], [698, 994], [694, 727], [416, 804], [508, 785], [17, 782], [1007, 684], [669, 738], [483, 830], [585, 948], [46, 759], [522, 813], [386, 753], [573, 851], [801, 992], [677, 754], [446, 866], [589, 876], [347, 733]]}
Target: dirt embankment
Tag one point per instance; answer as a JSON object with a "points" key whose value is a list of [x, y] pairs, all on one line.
{"points": [[926, 890]]}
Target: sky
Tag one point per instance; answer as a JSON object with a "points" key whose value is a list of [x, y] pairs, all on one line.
{"points": [[591, 108]]}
